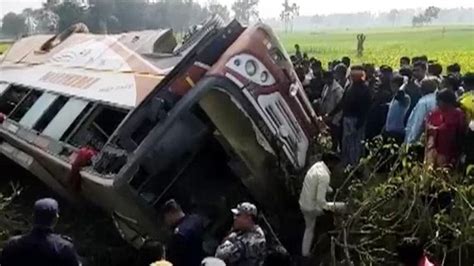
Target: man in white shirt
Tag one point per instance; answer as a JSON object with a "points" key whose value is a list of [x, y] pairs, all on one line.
{"points": [[313, 196]]}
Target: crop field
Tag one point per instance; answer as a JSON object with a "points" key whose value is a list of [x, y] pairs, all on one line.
{"points": [[386, 46], [3, 47]]}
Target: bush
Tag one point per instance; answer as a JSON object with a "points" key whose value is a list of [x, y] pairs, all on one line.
{"points": [[407, 200], [11, 221]]}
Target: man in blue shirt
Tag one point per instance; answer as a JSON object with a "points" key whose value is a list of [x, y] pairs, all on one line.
{"points": [[41, 247], [185, 245], [425, 105], [395, 124]]}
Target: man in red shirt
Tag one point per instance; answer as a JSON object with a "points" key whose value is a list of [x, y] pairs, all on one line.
{"points": [[445, 129]]}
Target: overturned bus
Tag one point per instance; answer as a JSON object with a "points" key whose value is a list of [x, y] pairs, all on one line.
{"points": [[215, 120]]}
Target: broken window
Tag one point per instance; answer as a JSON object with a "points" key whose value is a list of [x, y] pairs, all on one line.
{"points": [[50, 113], [98, 128], [11, 98], [25, 105], [67, 118], [39, 108]]}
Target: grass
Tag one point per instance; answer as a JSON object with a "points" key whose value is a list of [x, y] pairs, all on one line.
{"points": [[386, 46], [3, 47]]}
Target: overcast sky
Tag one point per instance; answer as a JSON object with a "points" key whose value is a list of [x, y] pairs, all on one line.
{"points": [[271, 8]]}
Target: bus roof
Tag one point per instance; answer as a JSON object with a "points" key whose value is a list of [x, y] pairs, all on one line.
{"points": [[120, 69]]}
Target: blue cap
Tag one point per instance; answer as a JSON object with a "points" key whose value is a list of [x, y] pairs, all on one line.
{"points": [[45, 211]]}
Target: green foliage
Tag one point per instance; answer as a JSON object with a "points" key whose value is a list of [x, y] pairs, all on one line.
{"points": [[3, 47], [221, 10], [69, 13], [13, 24], [430, 13], [131, 15], [113, 16], [289, 12], [409, 200], [10, 219], [245, 9], [386, 46]]}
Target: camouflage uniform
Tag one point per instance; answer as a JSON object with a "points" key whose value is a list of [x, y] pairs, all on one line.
{"points": [[244, 248]]}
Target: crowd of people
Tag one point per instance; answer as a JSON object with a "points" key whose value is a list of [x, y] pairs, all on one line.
{"points": [[418, 104]]}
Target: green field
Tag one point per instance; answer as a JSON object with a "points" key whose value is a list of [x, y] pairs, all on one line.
{"points": [[386, 46]]}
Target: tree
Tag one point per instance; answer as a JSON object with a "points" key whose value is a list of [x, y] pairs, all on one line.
{"points": [[245, 9], [13, 24], [131, 14], [418, 20], [155, 16], [393, 16], [431, 13], [42, 20], [69, 13], [288, 13], [221, 10], [101, 15]]}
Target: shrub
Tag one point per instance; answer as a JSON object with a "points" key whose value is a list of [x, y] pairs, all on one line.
{"points": [[407, 200]]}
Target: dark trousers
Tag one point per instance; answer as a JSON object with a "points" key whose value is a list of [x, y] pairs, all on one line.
{"points": [[336, 135]]}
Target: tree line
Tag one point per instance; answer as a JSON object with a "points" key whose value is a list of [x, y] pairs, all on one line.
{"points": [[115, 16], [391, 18]]}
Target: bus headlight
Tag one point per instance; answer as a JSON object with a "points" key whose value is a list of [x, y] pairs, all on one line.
{"points": [[251, 67]]}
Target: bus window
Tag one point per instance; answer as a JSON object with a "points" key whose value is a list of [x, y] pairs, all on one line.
{"points": [[50, 113], [3, 87], [25, 105], [66, 118], [37, 110], [11, 98], [98, 128]]}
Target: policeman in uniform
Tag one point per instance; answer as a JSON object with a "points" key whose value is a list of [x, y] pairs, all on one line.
{"points": [[246, 244], [185, 245], [41, 247]]}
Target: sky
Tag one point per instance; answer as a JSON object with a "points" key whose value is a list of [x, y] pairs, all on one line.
{"points": [[272, 8]]}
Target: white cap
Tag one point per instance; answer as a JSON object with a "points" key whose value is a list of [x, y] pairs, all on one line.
{"points": [[211, 261]]}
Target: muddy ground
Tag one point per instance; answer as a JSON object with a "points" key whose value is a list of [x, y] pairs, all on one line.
{"points": [[92, 231]]}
